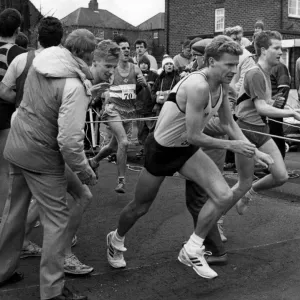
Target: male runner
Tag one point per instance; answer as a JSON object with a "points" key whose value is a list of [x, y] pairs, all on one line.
{"points": [[119, 107], [10, 22], [175, 146], [254, 106]]}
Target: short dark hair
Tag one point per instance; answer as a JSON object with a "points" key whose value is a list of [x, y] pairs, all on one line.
{"points": [[140, 42], [186, 43], [120, 39], [219, 45], [263, 40], [22, 40], [10, 21], [50, 32]]}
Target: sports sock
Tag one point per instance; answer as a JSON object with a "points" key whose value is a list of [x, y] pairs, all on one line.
{"points": [[194, 243], [251, 193], [117, 240]]}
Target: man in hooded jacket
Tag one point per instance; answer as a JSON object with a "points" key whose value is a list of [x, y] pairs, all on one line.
{"points": [[45, 135]]}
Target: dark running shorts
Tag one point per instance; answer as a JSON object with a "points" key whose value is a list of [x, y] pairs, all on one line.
{"points": [[257, 139], [165, 161]]}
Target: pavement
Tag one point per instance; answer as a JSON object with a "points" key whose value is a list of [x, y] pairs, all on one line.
{"points": [[263, 247]]}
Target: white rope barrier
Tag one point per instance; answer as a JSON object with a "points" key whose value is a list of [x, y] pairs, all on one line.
{"points": [[285, 123], [272, 135]]}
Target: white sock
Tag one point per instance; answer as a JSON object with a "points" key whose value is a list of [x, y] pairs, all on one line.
{"points": [[118, 240], [251, 193], [195, 242]]}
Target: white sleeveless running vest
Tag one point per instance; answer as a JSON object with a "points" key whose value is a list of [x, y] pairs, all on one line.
{"points": [[170, 130]]}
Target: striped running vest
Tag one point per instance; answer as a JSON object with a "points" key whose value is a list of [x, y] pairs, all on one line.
{"points": [[122, 93]]}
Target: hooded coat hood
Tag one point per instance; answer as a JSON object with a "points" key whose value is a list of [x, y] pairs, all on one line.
{"points": [[58, 62]]}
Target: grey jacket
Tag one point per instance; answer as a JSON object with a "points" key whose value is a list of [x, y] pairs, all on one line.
{"points": [[48, 130]]}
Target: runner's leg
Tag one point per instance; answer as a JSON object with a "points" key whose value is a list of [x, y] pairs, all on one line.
{"points": [[278, 170], [201, 169]]}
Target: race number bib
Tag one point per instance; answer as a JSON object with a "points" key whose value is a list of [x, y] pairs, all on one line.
{"points": [[128, 91]]}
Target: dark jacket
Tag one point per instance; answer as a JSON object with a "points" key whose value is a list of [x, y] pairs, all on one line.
{"points": [[164, 82], [144, 103]]}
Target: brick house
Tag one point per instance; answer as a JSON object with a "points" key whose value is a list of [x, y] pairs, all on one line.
{"points": [[153, 31], [188, 19], [101, 22]]}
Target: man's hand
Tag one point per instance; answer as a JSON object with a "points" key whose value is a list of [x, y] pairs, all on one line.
{"points": [[94, 165], [279, 100], [297, 115], [99, 88], [242, 147], [263, 159], [88, 177], [141, 80]]}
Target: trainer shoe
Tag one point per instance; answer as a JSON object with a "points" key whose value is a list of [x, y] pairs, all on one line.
{"points": [[243, 204], [67, 294], [115, 255], [31, 250], [121, 185], [216, 259], [72, 265], [197, 262], [221, 230]]}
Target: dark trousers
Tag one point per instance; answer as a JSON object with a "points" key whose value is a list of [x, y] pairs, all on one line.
{"points": [[277, 129], [145, 127]]}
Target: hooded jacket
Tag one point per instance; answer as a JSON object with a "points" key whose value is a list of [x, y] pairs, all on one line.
{"points": [[48, 130]]}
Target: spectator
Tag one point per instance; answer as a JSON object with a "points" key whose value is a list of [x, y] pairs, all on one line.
{"points": [[22, 40], [259, 26], [184, 58], [236, 33], [144, 103], [141, 49], [164, 84]]}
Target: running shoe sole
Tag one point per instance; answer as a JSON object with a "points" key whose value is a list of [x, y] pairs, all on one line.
{"points": [[79, 273]]}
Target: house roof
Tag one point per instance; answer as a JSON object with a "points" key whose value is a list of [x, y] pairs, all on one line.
{"points": [[156, 22], [99, 18]]}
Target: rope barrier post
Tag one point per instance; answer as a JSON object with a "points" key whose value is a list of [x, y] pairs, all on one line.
{"points": [[97, 127], [92, 128]]}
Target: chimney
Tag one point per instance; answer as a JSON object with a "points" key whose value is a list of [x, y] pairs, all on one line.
{"points": [[93, 5]]}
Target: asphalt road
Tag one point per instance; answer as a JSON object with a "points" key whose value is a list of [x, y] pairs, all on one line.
{"points": [[263, 247]]}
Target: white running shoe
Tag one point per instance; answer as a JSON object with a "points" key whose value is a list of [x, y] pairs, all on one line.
{"points": [[243, 204], [115, 255], [197, 262]]}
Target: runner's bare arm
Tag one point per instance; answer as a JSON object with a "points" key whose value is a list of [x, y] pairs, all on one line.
{"points": [[6, 93], [267, 110], [226, 119]]}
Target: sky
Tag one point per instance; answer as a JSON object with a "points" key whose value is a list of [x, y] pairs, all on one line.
{"points": [[132, 11]]}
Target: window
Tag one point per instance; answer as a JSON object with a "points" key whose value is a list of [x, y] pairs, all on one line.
{"points": [[294, 8], [219, 19], [99, 33], [155, 35]]}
